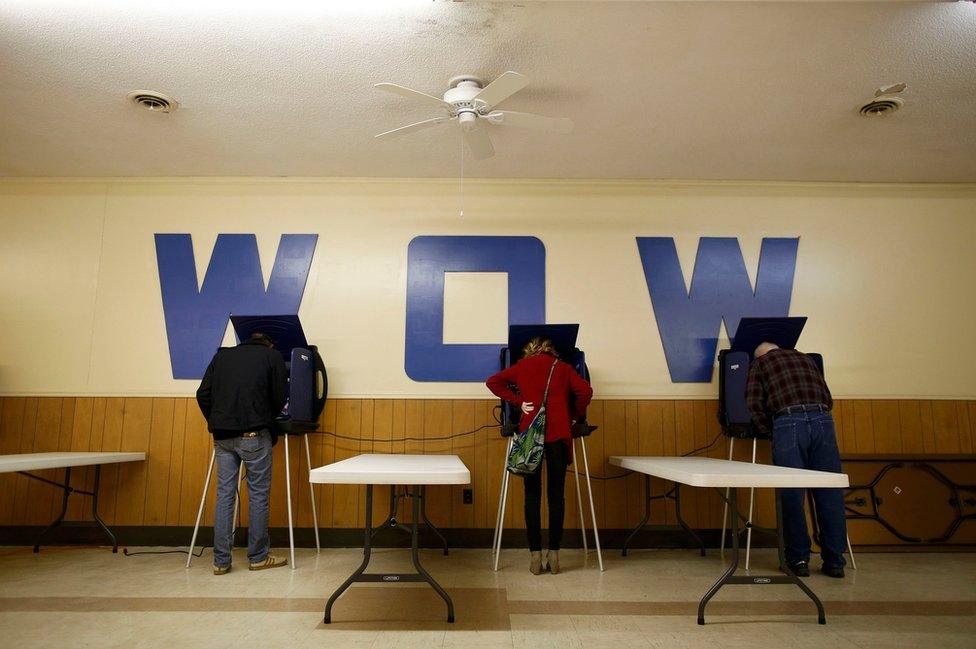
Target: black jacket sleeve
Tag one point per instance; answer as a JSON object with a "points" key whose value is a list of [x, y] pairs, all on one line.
{"points": [[205, 391], [279, 383]]}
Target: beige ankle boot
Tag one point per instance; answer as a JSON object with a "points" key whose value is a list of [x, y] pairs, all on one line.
{"points": [[535, 567], [552, 561]]}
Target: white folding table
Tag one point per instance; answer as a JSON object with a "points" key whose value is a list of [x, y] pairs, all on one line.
{"points": [[711, 472], [26, 462], [414, 472]]}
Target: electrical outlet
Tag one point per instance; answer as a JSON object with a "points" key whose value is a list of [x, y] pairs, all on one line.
{"points": [[468, 496]]}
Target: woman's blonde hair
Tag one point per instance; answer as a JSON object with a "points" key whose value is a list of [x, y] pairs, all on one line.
{"points": [[538, 345]]}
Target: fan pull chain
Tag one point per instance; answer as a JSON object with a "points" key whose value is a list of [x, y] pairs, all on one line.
{"points": [[461, 177]]}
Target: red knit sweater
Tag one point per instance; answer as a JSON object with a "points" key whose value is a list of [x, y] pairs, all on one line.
{"points": [[569, 394]]}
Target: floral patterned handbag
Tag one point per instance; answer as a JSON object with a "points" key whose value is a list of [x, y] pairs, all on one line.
{"points": [[527, 447]]}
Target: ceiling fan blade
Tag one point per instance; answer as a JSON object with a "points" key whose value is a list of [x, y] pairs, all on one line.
{"points": [[480, 143], [528, 120], [414, 94], [501, 88], [410, 128]]}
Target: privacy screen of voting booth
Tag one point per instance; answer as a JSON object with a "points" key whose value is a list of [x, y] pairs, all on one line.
{"points": [[563, 337], [308, 383], [733, 413]]}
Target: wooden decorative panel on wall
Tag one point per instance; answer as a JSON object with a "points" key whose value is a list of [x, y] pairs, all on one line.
{"points": [[165, 490]]}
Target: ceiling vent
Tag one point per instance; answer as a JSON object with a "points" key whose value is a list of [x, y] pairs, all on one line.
{"points": [[152, 101], [885, 101], [881, 106]]}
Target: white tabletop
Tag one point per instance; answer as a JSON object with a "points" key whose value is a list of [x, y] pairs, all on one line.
{"points": [[37, 461], [712, 472], [382, 468]]}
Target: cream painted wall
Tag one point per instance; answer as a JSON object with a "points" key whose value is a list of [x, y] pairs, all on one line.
{"points": [[884, 272]]}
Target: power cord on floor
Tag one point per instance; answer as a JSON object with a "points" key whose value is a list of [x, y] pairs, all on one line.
{"points": [[127, 553]]}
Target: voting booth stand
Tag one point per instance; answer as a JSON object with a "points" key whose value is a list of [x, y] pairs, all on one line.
{"points": [[563, 338], [733, 412], [307, 391]]}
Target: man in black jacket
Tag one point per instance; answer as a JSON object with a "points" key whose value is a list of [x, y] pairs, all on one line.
{"points": [[243, 390]]}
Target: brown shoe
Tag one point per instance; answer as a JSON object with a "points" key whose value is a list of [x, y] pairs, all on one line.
{"points": [[270, 561], [221, 570]]}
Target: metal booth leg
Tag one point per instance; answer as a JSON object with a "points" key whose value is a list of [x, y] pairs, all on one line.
{"points": [[850, 551], [500, 518], [752, 500], [311, 495], [291, 525], [589, 489], [203, 500], [579, 502], [725, 507]]}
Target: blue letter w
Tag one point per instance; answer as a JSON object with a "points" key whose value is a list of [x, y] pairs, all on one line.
{"points": [[197, 319], [720, 288]]}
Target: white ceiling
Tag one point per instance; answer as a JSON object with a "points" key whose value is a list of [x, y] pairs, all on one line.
{"points": [[695, 90]]}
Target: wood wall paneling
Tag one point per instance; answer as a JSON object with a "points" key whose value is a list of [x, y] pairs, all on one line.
{"points": [[165, 490]]}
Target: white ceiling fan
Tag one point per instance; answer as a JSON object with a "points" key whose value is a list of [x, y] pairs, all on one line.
{"points": [[472, 105]]}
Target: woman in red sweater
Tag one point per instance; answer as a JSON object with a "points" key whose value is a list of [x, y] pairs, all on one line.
{"points": [[523, 385]]}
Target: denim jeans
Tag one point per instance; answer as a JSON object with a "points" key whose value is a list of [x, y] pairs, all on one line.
{"points": [[806, 440], [255, 452]]}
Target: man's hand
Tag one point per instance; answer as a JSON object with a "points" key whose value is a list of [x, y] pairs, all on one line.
{"points": [[527, 407]]}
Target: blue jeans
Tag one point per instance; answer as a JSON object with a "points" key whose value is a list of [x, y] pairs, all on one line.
{"points": [[255, 452], [806, 440]]}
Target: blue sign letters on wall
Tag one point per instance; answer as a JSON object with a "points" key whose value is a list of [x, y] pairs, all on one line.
{"points": [[720, 288], [427, 358], [197, 319]]}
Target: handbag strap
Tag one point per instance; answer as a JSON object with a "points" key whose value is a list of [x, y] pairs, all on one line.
{"points": [[545, 395]]}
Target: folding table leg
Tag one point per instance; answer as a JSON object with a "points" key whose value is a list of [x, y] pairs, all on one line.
{"points": [[311, 495], [418, 496], [96, 517], [647, 514], [423, 514], [203, 500], [589, 489], [64, 509], [291, 525], [367, 550]]}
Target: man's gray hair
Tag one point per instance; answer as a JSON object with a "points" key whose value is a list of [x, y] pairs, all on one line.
{"points": [[763, 348]]}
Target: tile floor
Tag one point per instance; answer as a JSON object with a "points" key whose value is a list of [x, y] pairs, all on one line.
{"points": [[88, 597]]}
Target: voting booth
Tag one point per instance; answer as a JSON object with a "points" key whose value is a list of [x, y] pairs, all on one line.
{"points": [[308, 387], [563, 337], [733, 375]]}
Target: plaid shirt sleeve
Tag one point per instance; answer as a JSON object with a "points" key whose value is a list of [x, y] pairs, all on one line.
{"points": [[756, 398]]}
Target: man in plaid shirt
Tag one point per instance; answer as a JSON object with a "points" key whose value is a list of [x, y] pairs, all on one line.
{"points": [[790, 402]]}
